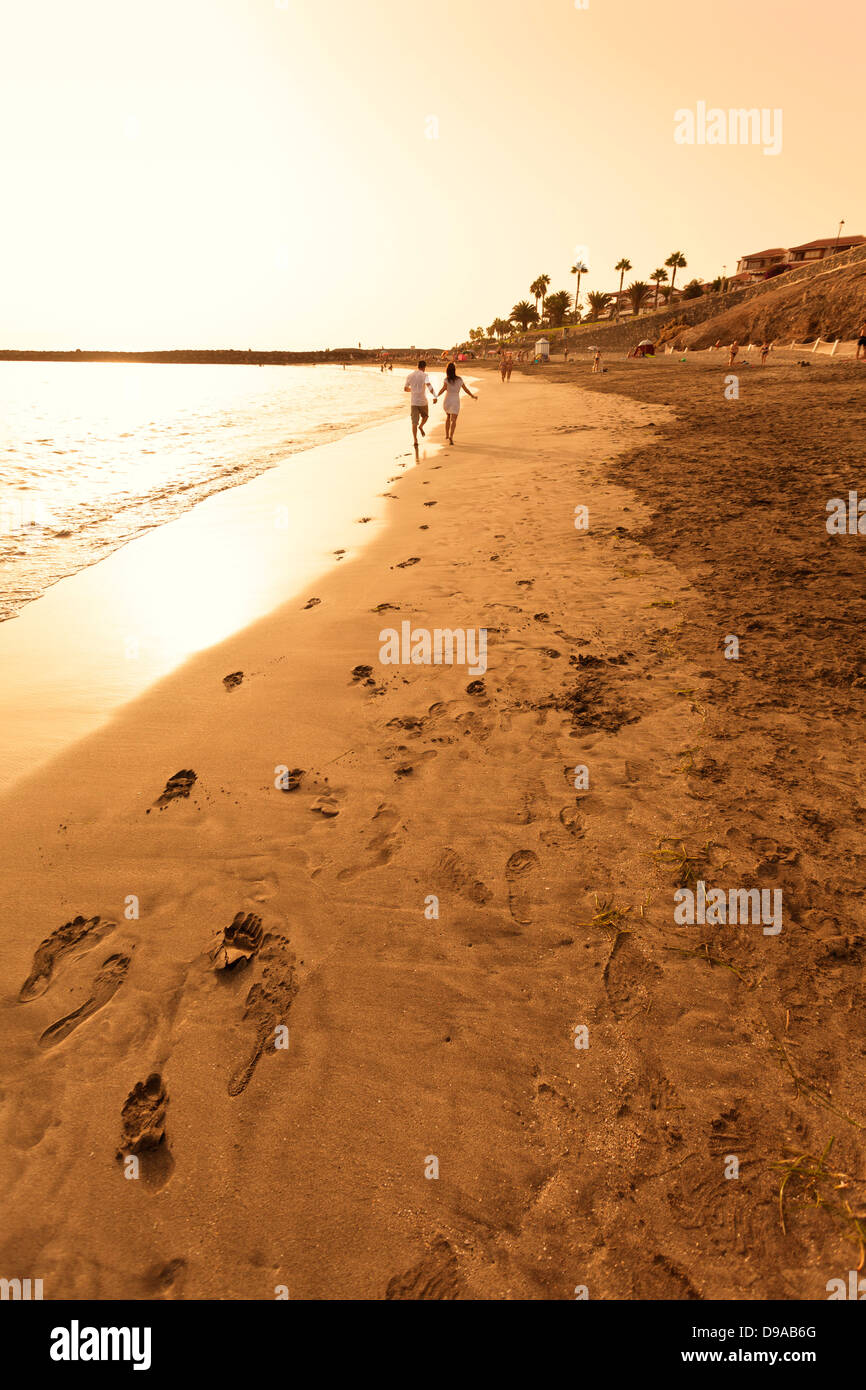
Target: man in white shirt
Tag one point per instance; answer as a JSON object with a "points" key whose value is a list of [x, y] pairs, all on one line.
{"points": [[418, 383]]}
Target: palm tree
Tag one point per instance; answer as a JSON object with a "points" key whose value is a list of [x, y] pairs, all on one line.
{"points": [[659, 276], [578, 269], [523, 314], [557, 307], [678, 262], [539, 289], [638, 292], [598, 301], [622, 266], [693, 290], [499, 328]]}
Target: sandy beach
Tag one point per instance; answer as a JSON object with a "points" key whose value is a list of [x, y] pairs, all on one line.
{"points": [[471, 1055]]}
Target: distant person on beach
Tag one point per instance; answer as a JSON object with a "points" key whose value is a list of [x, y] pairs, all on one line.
{"points": [[861, 344], [418, 384], [502, 367], [734, 349], [765, 352], [596, 362], [451, 389], [509, 366]]}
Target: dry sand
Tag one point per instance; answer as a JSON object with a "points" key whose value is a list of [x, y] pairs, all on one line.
{"points": [[413, 1037]]}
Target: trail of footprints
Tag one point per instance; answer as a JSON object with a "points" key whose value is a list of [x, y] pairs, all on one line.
{"points": [[267, 1005], [244, 945]]}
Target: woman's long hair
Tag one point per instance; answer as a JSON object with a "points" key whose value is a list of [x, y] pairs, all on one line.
{"points": [[451, 372]]}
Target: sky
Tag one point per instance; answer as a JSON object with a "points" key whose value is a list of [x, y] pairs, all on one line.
{"points": [[314, 173]]}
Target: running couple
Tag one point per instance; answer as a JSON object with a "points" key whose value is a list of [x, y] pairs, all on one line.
{"points": [[418, 384]]}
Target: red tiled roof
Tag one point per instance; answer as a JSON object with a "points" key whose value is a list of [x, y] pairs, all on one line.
{"points": [[758, 255], [828, 241]]}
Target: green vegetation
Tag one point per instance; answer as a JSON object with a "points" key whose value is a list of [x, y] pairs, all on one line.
{"points": [[677, 261], [524, 315], [553, 310], [638, 293]]}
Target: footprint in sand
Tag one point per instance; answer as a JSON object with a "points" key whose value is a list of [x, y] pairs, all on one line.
{"points": [[267, 1005], [232, 681], [106, 984], [143, 1131], [404, 564], [410, 722], [408, 760], [434, 1278], [181, 784], [80, 932], [573, 821], [381, 845], [311, 603], [457, 875], [291, 779], [518, 866], [628, 976], [241, 941], [161, 1279], [386, 608]]}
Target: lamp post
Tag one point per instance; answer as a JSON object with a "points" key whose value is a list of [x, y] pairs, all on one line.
{"points": [[838, 234]]}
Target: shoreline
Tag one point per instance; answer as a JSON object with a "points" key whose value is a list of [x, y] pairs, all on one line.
{"points": [[230, 357], [102, 635], [449, 1034]]}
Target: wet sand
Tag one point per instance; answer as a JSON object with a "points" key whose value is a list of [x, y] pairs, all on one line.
{"points": [[108, 633], [423, 1044]]}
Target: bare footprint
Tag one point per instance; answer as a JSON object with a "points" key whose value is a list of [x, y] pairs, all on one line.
{"points": [[241, 941], [181, 784], [106, 984], [81, 931], [143, 1130], [267, 1005], [520, 864], [381, 845], [291, 779], [459, 876], [232, 681]]}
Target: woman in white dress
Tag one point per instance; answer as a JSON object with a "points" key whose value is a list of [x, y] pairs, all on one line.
{"points": [[451, 389]]}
